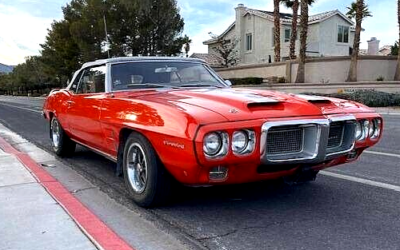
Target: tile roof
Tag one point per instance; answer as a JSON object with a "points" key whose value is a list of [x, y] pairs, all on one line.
{"points": [[287, 18], [386, 50], [282, 15]]}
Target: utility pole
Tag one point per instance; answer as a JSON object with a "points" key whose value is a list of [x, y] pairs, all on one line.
{"points": [[107, 42]]}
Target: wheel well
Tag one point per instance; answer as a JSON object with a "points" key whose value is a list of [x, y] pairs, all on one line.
{"points": [[123, 136], [51, 115]]}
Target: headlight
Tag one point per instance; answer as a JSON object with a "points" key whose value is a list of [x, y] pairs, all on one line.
{"points": [[376, 127], [359, 132], [371, 130], [362, 129], [243, 142], [212, 144], [239, 141], [215, 144], [365, 128]]}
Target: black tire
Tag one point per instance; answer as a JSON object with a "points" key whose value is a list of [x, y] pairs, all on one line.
{"points": [[64, 147], [158, 182]]}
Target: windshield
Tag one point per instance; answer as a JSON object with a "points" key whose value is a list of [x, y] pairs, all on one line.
{"points": [[139, 75]]}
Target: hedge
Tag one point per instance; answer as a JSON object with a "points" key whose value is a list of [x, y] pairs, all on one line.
{"points": [[246, 81], [370, 98]]}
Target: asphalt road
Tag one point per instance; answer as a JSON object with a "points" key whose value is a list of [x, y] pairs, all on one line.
{"points": [[356, 209]]}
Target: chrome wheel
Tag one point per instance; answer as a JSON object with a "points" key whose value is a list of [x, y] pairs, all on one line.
{"points": [[55, 133], [137, 168]]}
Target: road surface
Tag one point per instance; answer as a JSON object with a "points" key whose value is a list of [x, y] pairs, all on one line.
{"points": [[355, 206]]}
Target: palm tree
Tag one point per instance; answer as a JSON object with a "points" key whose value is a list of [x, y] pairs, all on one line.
{"points": [[303, 41], [359, 11], [277, 31], [352, 11], [397, 75], [186, 41], [294, 5]]}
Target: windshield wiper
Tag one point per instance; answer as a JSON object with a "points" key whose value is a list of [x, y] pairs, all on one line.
{"points": [[153, 85], [198, 85]]}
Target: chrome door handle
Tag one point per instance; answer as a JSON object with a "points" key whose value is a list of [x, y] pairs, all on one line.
{"points": [[70, 102]]}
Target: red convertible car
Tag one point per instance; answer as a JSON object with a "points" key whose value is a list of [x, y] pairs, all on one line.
{"points": [[174, 119]]}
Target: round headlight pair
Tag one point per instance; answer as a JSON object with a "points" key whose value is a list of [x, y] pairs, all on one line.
{"points": [[365, 128], [215, 144], [375, 128]]}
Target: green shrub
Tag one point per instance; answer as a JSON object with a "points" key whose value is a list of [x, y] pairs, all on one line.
{"points": [[281, 79], [370, 98], [246, 81], [380, 79]]}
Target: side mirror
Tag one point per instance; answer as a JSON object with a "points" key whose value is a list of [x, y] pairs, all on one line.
{"points": [[229, 83]]}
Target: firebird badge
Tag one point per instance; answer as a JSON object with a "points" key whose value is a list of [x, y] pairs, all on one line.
{"points": [[233, 111], [174, 144]]}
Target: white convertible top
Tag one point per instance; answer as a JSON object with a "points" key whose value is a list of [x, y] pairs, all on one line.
{"points": [[141, 58]]}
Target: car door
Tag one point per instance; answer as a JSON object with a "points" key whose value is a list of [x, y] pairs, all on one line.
{"points": [[84, 107]]}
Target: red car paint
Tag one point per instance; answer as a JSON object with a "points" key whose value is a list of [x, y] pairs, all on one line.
{"points": [[175, 122]]}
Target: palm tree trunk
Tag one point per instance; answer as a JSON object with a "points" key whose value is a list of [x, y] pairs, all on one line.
{"points": [[303, 42], [352, 77], [277, 31], [397, 75], [293, 37]]}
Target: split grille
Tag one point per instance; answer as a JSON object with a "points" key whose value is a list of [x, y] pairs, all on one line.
{"points": [[307, 141], [285, 140]]}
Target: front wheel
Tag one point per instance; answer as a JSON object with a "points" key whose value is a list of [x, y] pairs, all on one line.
{"points": [[148, 182], [61, 143]]}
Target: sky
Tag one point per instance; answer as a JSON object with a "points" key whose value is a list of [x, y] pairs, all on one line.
{"points": [[24, 23]]}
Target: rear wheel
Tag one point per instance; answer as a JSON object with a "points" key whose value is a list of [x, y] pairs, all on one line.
{"points": [[62, 144], [148, 182]]}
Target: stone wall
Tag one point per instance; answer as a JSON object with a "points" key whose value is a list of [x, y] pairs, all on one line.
{"points": [[319, 70]]}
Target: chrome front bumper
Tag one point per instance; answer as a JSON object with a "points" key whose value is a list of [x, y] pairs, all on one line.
{"points": [[314, 142]]}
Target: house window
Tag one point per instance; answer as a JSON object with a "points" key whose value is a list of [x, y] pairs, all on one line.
{"points": [[249, 42], [343, 34], [288, 33]]}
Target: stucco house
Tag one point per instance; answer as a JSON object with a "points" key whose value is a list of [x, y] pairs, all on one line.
{"points": [[330, 34]]}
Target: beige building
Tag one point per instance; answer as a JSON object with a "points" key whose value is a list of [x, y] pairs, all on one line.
{"points": [[330, 34]]}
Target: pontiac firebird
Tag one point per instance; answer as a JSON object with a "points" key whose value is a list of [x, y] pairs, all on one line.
{"points": [[164, 120]]}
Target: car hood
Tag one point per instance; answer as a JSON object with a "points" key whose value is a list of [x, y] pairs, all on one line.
{"points": [[247, 104]]}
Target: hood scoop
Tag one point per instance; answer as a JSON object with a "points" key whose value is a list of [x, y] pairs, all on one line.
{"points": [[254, 105], [261, 102], [314, 98]]}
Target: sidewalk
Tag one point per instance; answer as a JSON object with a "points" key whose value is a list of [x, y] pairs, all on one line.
{"points": [[108, 224], [30, 217], [388, 110]]}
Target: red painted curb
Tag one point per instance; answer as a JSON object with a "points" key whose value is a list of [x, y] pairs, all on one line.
{"points": [[97, 230]]}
